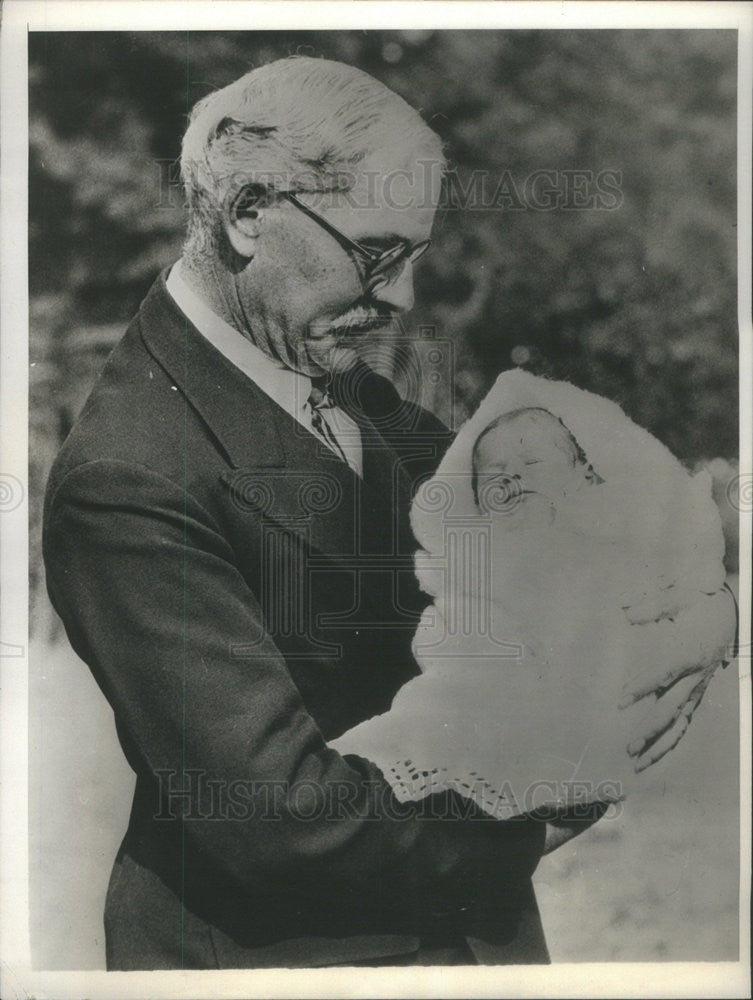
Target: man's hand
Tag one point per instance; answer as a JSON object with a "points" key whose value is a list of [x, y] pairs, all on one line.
{"points": [[665, 724], [675, 691]]}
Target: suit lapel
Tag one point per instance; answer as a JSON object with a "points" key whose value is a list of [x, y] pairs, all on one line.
{"points": [[237, 412], [278, 469]]}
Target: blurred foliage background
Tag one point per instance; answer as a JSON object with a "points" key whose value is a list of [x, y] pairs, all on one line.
{"points": [[635, 299]]}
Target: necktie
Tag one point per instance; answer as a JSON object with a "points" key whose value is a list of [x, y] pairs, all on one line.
{"points": [[319, 401]]}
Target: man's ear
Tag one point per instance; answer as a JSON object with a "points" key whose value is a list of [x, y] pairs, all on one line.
{"points": [[244, 219]]}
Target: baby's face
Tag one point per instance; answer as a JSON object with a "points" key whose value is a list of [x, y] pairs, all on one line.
{"points": [[523, 459]]}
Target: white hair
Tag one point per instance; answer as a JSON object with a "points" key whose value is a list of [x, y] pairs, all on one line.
{"points": [[298, 124]]}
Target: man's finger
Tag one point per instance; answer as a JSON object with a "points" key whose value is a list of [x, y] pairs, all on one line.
{"points": [[664, 744], [681, 700], [647, 682], [661, 716], [695, 644], [669, 740]]}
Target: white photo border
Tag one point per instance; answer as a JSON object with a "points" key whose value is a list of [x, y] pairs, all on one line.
{"points": [[18, 979]]}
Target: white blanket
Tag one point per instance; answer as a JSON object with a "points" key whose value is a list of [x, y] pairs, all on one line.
{"points": [[521, 602]]}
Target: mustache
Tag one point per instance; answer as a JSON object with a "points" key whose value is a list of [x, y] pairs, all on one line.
{"points": [[360, 318]]}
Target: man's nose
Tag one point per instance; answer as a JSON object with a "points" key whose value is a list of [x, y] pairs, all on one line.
{"points": [[397, 291]]}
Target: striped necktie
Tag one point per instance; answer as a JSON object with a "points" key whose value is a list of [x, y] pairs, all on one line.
{"points": [[319, 402]]}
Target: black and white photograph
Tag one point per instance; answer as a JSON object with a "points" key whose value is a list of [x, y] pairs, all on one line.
{"points": [[376, 496]]}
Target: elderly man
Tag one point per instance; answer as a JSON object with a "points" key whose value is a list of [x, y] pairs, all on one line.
{"points": [[226, 540]]}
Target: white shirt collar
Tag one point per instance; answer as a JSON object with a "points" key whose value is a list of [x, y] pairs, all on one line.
{"points": [[286, 387], [289, 389]]}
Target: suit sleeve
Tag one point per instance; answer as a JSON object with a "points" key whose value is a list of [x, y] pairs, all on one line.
{"points": [[151, 599]]}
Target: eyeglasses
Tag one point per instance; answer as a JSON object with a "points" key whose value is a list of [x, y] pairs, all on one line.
{"points": [[378, 266]]}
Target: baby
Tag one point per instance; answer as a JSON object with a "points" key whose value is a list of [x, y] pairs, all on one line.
{"points": [[528, 460], [545, 575]]}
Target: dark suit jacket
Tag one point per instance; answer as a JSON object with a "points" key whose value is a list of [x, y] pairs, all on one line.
{"points": [[241, 597]]}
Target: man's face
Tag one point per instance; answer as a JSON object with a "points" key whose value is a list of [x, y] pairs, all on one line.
{"points": [[303, 290]]}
